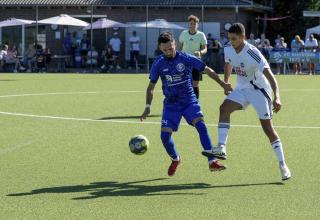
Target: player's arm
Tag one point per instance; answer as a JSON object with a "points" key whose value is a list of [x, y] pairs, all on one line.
{"points": [[213, 75], [275, 88], [203, 50], [149, 97], [227, 72]]}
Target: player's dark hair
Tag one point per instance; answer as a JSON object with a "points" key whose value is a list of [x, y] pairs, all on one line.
{"points": [[165, 37], [237, 28]]}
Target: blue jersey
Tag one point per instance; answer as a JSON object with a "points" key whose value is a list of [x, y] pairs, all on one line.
{"points": [[176, 76]]}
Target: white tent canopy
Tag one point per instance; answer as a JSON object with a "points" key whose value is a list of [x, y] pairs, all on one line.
{"points": [[64, 19], [314, 30], [15, 22], [104, 23], [158, 23]]}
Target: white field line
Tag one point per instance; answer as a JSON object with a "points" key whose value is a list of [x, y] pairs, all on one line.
{"points": [[16, 147], [132, 91], [141, 123]]}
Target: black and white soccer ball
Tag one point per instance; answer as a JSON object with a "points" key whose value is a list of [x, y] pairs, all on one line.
{"points": [[138, 144]]}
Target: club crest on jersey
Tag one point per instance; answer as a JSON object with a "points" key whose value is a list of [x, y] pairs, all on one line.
{"points": [[169, 78], [242, 65], [180, 67]]}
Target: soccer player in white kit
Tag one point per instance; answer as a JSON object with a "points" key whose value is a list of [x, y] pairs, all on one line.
{"points": [[255, 83]]}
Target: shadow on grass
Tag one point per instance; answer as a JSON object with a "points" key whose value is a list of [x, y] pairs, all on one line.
{"points": [[127, 117], [137, 188], [7, 80]]}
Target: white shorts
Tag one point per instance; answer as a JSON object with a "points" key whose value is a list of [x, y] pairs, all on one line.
{"points": [[258, 98]]}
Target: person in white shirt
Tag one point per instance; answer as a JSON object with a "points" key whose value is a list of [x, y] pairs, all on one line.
{"points": [[311, 45], [251, 40], [134, 41], [297, 45], [255, 81], [92, 57], [115, 44]]}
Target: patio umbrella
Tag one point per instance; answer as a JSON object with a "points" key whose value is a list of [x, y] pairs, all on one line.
{"points": [[64, 19], [15, 22], [158, 23], [104, 23]]}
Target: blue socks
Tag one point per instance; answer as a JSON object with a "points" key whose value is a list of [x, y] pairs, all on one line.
{"points": [[169, 145], [204, 137]]}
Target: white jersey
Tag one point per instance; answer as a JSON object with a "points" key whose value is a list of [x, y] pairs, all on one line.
{"points": [[248, 65]]}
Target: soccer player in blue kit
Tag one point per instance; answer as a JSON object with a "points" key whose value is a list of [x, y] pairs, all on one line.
{"points": [[175, 70]]}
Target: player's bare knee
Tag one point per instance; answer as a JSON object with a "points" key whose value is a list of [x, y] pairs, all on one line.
{"points": [[224, 110], [194, 121]]}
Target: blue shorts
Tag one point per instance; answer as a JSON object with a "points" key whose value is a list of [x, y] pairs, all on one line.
{"points": [[172, 114]]}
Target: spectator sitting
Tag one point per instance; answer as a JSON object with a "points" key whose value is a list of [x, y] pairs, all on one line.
{"points": [[107, 58], [92, 57], [12, 58], [30, 57], [3, 55]]}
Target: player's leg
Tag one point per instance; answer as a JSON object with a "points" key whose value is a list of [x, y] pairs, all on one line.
{"points": [[262, 103], [169, 123], [276, 146], [196, 77], [234, 101], [194, 116]]}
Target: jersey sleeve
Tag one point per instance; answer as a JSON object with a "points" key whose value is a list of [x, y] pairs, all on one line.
{"points": [[154, 72], [227, 58], [203, 40], [263, 64], [196, 63]]}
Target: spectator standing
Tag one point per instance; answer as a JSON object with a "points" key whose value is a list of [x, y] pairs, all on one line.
{"points": [[115, 44], [281, 46], [297, 45], [134, 41], [251, 40], [311, 45], [84, 45]]}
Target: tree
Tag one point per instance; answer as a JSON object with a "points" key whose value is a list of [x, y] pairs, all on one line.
{"points": [[297, 23]]}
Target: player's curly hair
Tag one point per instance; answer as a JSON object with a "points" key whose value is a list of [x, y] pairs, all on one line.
{"points": [[165, 37], [237, 28], [193, 18]]}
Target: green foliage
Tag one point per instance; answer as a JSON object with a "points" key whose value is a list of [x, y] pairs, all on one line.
{"points": [[296, 24]]}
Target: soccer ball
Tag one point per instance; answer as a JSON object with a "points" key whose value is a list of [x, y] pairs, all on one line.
{"points": [[138, 144]]}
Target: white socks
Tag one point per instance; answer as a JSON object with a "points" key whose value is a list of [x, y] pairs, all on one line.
{"points": [[277, 147], [223, 130]]}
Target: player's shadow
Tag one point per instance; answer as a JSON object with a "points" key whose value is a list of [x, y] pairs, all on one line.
{"points": [[127, 117], [136, 188]]}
